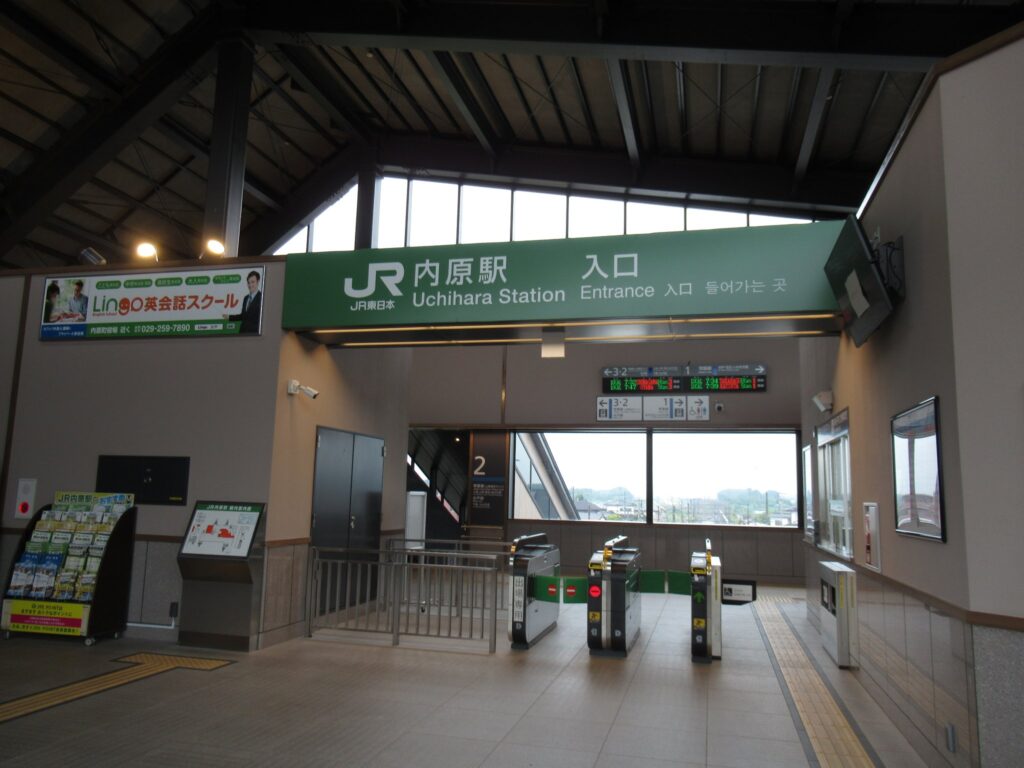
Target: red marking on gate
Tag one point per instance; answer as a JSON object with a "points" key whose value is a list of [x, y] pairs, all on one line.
{"points": [[570, 590], [552, 590]]}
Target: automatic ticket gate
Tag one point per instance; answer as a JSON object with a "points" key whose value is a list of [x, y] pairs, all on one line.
{"points": [[613, 598], [705, 606], [531, 618]]}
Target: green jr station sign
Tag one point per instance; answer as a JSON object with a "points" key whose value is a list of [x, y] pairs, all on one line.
{"points": [[758, 270]]}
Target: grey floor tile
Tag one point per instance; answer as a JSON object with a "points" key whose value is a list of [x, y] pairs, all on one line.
{"points": [[755, 725], [559, 733], [729, 751], [625, 761], [433, 751], [466, 724], [657, 743], [748, 701], [526, 756]]}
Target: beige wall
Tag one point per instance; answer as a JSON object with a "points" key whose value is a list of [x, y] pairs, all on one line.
{"points": [[982, 113], [907, 360], [462, 386], [361, 391], [202, 398], [11, 289]]}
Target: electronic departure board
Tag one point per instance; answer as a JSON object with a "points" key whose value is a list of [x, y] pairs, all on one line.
{"points": [[684, 379]]}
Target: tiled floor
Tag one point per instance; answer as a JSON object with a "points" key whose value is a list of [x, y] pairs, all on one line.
{"points": [[316, 702]]}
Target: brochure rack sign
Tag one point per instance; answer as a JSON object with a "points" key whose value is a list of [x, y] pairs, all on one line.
{"points": [[677, 274], [46, 617], [212, 302], [222, 529]]}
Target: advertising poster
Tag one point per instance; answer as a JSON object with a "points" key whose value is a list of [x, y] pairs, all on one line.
{"points": [[222, 529], [213, 302], [45, 617]]}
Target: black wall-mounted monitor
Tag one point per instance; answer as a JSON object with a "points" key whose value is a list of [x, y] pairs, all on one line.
{"points": [[153, 479], [857, 283]]}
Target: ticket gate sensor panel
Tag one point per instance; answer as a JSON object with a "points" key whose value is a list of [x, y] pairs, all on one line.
{"points": [[705, 606], [613, 598], [529, 619]]}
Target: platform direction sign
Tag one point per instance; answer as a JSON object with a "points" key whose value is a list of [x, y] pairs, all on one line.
{"points": [[683, 379], [657, 408], [620, 408]]}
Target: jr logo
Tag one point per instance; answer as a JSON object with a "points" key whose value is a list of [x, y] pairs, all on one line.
{"points": [[391, 274]]}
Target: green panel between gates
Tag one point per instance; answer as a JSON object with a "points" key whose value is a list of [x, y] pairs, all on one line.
{"points": [[546, 588], [578, 589], [678, 582], [652, 581]]}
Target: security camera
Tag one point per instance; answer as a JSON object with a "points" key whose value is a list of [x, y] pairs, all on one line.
{"points": [[719, 407], [294, 387]]}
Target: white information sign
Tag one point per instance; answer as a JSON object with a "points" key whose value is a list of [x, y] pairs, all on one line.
{"points": [[620, 408], [222, 530], [662, 408], [698, 408]]}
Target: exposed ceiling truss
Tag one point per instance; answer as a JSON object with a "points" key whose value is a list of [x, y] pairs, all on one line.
{"points": [[108, 121]]}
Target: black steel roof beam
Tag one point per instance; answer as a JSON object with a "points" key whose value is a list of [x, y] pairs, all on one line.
{"points": [[624, 104], [815, 121], [58, 49], [78, 234], [874, 36], [684, 129], [794, 90], [507, 64], [174, 131], [460, 93], [581, 94], [754, 111], [485, 96], [367, 112], [306, 201], [715, 183], [381, 93], [433, 91], [46, 250], [399, 85], [549, 89], [307, 70], [102, 34], [883, 79], [169, 75], [718, 110], [281, 91]]}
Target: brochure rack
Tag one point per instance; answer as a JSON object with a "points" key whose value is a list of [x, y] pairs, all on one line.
{"points": [[93, 607]]}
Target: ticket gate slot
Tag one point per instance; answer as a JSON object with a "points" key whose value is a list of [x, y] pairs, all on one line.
{"points": [[529, 618], [705, 606], [613, 598]]}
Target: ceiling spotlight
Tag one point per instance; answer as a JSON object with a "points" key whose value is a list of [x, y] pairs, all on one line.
{"points": [[146, 251], [214, 246], [91, 256]]}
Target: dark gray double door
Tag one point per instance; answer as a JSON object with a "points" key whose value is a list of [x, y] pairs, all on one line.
{"points": [[347, 484]]}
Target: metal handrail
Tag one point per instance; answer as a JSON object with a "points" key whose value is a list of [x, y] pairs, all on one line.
{"points": [[405, 592]]}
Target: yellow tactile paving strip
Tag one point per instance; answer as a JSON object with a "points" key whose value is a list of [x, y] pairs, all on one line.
{"points": [[143, 665], [833, 739]]}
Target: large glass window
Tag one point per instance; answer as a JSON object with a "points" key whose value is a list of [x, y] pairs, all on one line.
{"points": [[835, 525], [296, 243], [725, 478], [538, 216], [698, 478], [433, 212], [335, 228], [581, 476], [591, 217], [389, 229], [486, 215], [705, 218], [644, 218]]}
